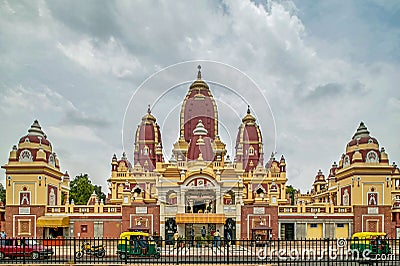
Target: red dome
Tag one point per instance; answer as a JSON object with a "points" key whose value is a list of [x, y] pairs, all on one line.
{"points": [[29, 151], [356, 146], [35, 135], [148, 144], [249, 149], [199, 104], [362, 136]]}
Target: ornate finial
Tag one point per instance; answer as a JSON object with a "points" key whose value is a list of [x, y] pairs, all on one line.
{"points": [[248, 109], [148, 109], [199, 72]]}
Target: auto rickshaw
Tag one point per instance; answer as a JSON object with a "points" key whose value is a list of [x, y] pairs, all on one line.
{"points": [[375, 242], [137, 244]]}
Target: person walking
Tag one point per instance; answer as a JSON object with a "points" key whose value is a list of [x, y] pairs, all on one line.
{"points": [[228, 238], [176, 238], [217, 239], [203, 231], [191, 234]]}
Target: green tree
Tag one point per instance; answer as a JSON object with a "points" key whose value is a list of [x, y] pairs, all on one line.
{"points": [[291, 191], [81, 189], [2, 194], [100, 194]]}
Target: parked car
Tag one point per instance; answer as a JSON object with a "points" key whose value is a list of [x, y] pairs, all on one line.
{"points": [[23, 247]]}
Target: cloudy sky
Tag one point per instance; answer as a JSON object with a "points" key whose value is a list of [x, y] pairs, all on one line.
{"points": [[323, 66]]}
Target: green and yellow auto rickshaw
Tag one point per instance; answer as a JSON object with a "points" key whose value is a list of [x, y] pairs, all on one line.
{"points": [[375, 242], [137, 244]]}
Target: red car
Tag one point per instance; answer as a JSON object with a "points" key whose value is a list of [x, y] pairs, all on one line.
{"points": [[19, 248]]}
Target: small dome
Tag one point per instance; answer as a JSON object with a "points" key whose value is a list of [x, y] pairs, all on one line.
{"points": [[199, 82], [35, 135], [362, 136], [35, 147], [249, 118], [125, 161], [148, 117], [361, 148], [320, 177], [200, 129]]}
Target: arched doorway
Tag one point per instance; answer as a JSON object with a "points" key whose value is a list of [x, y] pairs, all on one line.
{"points": [[230, 229], [170, 229]]}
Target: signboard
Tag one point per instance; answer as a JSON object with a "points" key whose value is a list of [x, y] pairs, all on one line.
{"points": [[24, 210], [372, 210], [141, 209], [259, 210]]}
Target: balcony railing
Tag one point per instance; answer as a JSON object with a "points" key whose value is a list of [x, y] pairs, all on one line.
{"points": [[314, 209], [71, 209]]}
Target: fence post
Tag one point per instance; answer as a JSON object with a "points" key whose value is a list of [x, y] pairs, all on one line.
{"points": [[23, 249], [278, 251], [227, 251], [74, 250], [329, 254], [126, 250], [177, 251]]}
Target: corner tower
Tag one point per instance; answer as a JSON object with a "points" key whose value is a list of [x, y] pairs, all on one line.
{"points": [[249, 146], [33, 182], [148, 144]]}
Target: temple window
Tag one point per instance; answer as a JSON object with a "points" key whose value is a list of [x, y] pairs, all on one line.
{"points": [[25, 156], [346, 161], [372, 157], [145, 150], [251, 150], [52, 162]]}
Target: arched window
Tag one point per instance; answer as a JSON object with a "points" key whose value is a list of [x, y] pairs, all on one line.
{"points": [[172, 198], [251, 150], [26, 156], [372, 157], [145, 150], [52, 162], [346, 161]]}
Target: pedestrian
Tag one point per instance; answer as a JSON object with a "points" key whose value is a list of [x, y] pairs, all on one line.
{"points": [[176, 238], [228, 238], [203, 231], [3, 234], [191, 233], [217, 239]]}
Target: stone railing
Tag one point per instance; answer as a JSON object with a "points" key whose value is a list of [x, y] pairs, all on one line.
{"points": [[311, 209], [82, 209]]}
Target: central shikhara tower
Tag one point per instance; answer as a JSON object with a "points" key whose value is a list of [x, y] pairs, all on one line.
{"points": [[200, 185]]}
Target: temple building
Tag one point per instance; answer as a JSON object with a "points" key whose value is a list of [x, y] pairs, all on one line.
{"points": [[201, 185]]}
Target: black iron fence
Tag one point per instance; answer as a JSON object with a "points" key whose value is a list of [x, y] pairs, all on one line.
{"points": [[217, 251]]}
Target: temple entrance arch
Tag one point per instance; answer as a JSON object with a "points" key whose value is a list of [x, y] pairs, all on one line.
{"points": [[200, 201], [201, 194]]}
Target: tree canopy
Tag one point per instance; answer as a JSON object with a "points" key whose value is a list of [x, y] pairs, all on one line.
{"points": [[82, 188], [291, 191], [2, 194]]}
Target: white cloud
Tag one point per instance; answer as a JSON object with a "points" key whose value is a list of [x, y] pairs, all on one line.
{"points": [[74, 67], [94, 55]]}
